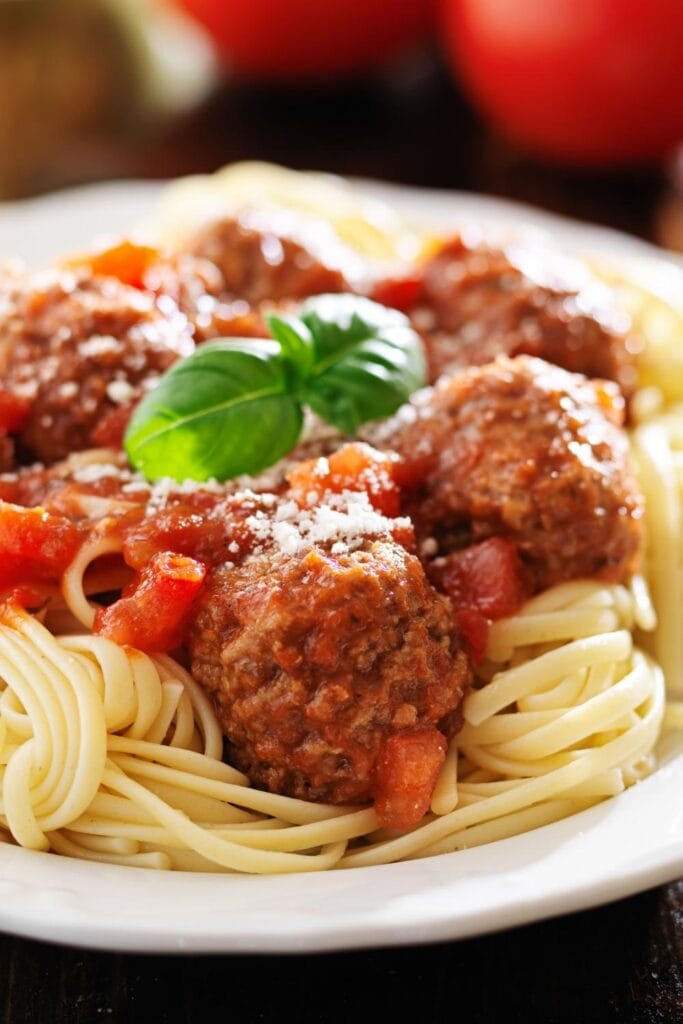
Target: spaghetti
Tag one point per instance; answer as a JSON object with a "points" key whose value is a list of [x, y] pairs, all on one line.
{"points": [[109, 754]]}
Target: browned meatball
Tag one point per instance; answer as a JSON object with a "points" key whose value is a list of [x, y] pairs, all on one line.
{"points": [[476, 303], [197, 287], [524, 450], [260, 263], [314, 660], [81, 349]]}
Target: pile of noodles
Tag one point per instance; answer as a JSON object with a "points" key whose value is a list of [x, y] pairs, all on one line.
{"points": [[110, 754], [113, 755]]}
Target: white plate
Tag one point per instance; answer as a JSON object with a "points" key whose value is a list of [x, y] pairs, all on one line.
{"points": [[620, 847]]}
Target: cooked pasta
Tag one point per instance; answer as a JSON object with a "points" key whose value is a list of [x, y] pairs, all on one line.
{"points": [[109, 754]]}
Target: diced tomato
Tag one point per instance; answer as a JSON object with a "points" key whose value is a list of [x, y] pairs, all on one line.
{"points": [[354, 467], [27, 596], [127, 261], [407, 770], [398, 292], [108, 433], [489, 578], [474, 629], [14, 411], [35, 546], [153, 612]]}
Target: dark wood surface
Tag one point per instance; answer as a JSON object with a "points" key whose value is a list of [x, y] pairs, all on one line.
{"points": [[617, 965], [622, 963]]}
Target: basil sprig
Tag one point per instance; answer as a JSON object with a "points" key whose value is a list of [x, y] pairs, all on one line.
{"points": [[235, 405]]}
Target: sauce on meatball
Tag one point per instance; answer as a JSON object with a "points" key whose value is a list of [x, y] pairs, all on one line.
{"points": [[472, 303], [315, 660], [523, 450]]}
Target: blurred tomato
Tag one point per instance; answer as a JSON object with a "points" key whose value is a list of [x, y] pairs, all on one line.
{"points": [[587, 81], [311, 39]]}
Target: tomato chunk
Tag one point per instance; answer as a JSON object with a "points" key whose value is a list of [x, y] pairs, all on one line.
{"points": [[474, 630], [26, 596], [126, 260], [153, 612], [407, 770], [14, 411], [398, 292], [489, 578], [35, 546], [354, 467]]}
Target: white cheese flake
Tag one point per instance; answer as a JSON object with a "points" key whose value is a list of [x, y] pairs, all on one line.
{"points": [[98, 345], [96, 471], [344, 522], [120, 392]]}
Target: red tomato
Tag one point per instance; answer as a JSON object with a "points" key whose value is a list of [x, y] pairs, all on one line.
{"points": [[354, 467], [407, 770], [398, 292], [489, 578], [474, 630], [590, 83], [311, 39], [128, 261], [35, 546], [153, 612]]}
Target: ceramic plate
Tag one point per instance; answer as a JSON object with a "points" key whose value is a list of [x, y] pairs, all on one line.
{"points": [[620, 847]]}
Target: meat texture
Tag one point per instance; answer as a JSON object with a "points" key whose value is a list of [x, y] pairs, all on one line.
{"points": [[80, 350], [473, 303], [314, 661], [235, 269], [261, 261], [524, 450], [197, 288]]}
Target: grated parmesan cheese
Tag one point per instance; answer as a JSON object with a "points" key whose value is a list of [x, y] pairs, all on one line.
{"points": [[98, 345], [96, 471], [120, 392], [344, 522]]}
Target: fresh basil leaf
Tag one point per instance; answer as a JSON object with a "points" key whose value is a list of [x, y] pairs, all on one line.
{"points": [[223, 411], [296, 343], [368, 360], [234, 406]]}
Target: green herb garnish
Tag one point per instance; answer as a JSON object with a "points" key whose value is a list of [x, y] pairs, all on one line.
{"points": [[235, 405]]}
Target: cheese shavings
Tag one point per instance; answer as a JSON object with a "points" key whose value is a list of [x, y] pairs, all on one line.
{"points": [[343, 523]]}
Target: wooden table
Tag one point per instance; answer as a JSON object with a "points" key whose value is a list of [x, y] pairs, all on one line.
{"points": [[622, 963]]}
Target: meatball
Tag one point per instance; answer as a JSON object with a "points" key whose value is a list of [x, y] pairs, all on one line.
{"points": [[261, 261], [474, 303], [81, 349], [197, 287], [524, 450], [313, 661]]}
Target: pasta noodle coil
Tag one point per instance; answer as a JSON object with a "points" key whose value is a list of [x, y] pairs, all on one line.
{"points": [[141, 781]]}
